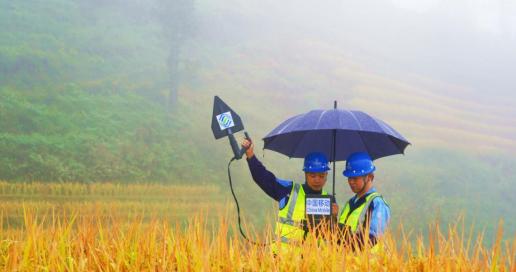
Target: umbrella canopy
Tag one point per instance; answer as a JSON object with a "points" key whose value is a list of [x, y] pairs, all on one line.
{"points": [[353, 131], [337, 133]]}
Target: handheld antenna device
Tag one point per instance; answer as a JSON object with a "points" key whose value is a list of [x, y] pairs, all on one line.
{"points": [[225, 123]]}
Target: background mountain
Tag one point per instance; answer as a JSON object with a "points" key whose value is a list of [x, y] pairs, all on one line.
{"points": [[122, 91]]}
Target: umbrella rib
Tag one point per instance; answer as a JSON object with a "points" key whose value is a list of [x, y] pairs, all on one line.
{"points": [[391, 130], [362, 139], [359, 131], [291, 122], [296, 146], [390, 139], [356, 120], [336, 135], [389, 133], [319, 120]]}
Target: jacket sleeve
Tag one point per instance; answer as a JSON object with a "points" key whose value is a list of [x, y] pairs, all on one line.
{"points": [[380, 217], [379, 214], [277, 189]]}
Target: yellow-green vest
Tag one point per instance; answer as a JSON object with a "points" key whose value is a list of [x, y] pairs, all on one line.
{"points": [[358, 216], [289, 227]]}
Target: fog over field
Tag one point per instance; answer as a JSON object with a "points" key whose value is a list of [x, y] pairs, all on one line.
{"points": [[446, 66], [467, 43]]}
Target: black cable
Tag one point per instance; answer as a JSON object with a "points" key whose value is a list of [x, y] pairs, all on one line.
{"points": [[238, 209], [238, 212]]}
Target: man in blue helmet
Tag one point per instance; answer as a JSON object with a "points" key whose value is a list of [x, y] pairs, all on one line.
{"points": [[366, 212], [291, 225]]}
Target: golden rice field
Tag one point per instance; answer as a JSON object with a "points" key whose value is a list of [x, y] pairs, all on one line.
{"points": [[140, 227]]}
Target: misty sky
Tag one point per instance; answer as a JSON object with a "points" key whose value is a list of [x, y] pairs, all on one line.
{"points": [[471, 43]]}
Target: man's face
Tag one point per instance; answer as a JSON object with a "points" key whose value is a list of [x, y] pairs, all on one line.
{"points": [[357, 183], [316, 181]]}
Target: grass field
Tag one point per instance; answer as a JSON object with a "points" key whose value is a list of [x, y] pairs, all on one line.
{"points": [[151, 227], [103, 200]]}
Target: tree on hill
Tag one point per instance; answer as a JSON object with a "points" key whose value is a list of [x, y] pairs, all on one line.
{"points": [[177, 20]]}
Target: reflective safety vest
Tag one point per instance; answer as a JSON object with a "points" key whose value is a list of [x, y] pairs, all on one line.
{"points": [[352, 219], [357, 217], [291, 219]]}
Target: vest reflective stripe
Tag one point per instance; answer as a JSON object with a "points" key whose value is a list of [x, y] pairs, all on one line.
{"points": [[286, 221], [289, 226], [294, 197], [358, 216]]}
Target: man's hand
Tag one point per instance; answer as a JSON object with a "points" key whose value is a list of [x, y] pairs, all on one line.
{"points": [[250, 148], [334, 209]]}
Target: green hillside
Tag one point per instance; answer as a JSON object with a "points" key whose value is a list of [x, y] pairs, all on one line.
{"points": [[83, 86]]}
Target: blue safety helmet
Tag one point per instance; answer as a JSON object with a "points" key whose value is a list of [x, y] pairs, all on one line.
{"points": [[358, 164], [316, 162]]}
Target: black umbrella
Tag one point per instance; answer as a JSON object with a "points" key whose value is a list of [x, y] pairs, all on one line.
{"points": [[337, 133]]}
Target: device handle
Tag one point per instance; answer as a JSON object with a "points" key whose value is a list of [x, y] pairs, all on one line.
{"points": [[234, 146], [244, 149]]}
